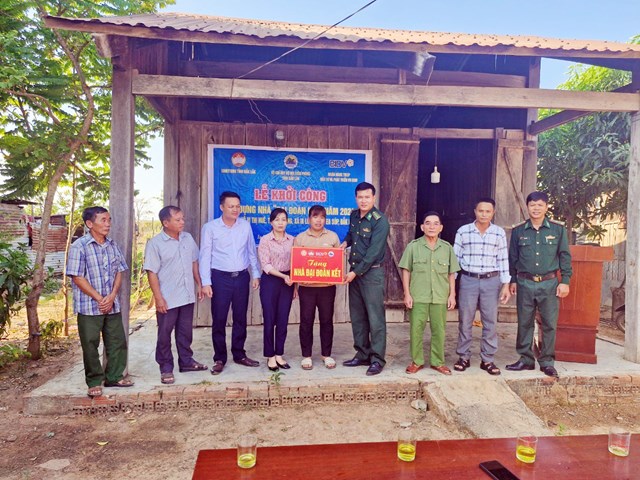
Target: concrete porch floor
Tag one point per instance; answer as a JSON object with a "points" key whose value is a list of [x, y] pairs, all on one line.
{"points": [[240, 386]]}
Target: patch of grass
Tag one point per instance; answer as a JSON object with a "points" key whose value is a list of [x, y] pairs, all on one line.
{"points": [[276, 378], [562, 430]]}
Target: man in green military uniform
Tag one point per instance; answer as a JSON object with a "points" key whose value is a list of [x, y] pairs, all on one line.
{"points": [[367, 237], [539, 247], [429, 282]]}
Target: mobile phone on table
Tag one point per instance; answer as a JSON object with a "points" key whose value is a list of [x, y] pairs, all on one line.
{"points": [[497, 471]]}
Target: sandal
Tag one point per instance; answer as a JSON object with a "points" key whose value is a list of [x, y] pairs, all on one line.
{"points": [[443, 369], [461, 365], [329, 362], [167, 378], [194, 367], [95, 391], [307, 363], [123, 382], [490, 368]]}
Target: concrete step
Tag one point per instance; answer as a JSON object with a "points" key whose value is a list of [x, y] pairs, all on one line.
{"points": [[483, 406]]}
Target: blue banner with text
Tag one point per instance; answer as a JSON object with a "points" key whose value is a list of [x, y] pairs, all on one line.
{"points": [[292, 179]]}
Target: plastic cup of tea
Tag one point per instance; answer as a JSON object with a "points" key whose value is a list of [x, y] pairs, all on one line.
{"points": [[247, 451], [406, 445], [619, 441], [526, 447]]}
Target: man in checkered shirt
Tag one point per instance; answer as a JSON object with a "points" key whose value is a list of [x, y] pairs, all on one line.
{"points": [[95, 266], [481, 249]]}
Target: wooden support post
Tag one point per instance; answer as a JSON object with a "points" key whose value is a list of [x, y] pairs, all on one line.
{"points": [[530, 159], [122, 165], [632, 290]]}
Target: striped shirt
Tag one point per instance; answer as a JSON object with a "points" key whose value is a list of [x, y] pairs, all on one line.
{"points": [[275, 254], [229, 249], [483, 253], [99, 265], [172, 261]]}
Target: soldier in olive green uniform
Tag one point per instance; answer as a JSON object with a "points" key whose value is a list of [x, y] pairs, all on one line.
{"points": [[539, 248], [367, 236]]}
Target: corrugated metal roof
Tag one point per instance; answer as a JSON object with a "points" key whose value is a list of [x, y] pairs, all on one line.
{"points": [[270, 29]]}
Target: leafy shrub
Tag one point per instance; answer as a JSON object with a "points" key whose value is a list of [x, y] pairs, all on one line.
{"points": [[15, 271], [12, 353]]}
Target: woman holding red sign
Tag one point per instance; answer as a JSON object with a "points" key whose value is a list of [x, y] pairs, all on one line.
{"points": [[317, 295], [276, 288]]}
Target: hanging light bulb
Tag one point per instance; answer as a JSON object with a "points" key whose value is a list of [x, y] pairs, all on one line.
{"points": [[435, 175]]}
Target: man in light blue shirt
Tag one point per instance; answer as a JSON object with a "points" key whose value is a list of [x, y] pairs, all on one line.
{"points": [[171, 262], [481, 249], [227, 252]]}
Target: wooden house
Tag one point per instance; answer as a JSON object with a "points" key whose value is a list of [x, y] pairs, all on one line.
{"points": [[466, 102]]}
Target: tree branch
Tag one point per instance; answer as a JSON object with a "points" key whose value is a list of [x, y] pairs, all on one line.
{"points": [[41, 102]]}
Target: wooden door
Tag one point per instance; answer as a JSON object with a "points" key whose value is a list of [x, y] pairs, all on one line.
{"points": [[510, 180], [398, 196]]}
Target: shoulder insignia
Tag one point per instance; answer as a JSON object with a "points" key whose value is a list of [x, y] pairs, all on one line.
{"points": [[557, 222], [518, 224], [376, 215]]}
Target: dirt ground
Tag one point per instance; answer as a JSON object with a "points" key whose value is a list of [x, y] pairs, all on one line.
{"points": [[165, 445]]}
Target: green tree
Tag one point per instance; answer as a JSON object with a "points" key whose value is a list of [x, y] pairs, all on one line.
{"points": [[584, 164], [54, 111]]}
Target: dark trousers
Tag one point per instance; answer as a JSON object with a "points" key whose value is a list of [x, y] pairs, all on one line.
{"points": [[540, 295], [322, 298], [275, 297], [366, 307], [115, 346], [229, 291], [180, 321]]}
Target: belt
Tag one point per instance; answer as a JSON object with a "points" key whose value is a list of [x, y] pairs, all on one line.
{"points": [[228, 274], [480, 275], [538, 278]]}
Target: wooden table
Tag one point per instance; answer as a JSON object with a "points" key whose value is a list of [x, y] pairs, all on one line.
{"points": [[570, 457]]}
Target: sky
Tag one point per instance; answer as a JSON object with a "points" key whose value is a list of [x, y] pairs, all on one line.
{"points": [[614, 20]]}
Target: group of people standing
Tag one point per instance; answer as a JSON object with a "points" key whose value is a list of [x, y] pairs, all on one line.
{"points": [[227, 265], [490, 273]]}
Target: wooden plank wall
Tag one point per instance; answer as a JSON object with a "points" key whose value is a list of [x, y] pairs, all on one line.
{"points": [[186, 181]]}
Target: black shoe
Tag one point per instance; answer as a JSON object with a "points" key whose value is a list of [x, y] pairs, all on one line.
{"points": [[374, 369], [273, 369], [550, 371], [356, 362], [247, 362], [284, 365], [519, 366]]}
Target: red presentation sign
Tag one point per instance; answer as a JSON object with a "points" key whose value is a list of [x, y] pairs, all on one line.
{"points": [[317, 265]]}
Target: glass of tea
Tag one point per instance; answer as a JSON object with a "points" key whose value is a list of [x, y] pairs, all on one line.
{"points": [[406, 445], [526, 447], [247, 451]]}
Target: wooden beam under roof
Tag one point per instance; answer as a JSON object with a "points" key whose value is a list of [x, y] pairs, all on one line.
{"points": [[567, 116], [323, 43], [375, 94], [321, 73]]}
